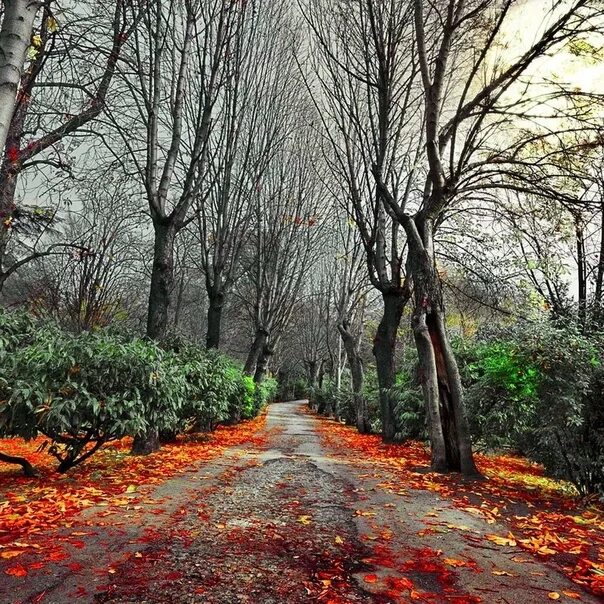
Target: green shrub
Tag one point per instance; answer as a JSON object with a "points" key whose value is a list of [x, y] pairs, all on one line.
{"points": [[212, 385], [538, 389], [266, 392], [83, 391]]}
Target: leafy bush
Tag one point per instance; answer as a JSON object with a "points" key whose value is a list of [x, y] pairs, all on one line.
{"points": [[266, 392], [83, 391], [538, 389], [409, 411], [213, 387]]}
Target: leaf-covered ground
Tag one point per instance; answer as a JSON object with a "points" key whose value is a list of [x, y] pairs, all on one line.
{"points": [[534, 514], [296, 510]]}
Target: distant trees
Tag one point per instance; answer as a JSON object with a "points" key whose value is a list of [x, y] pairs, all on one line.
{"points": [[250, 125], [350, 289], [365, 70], [288, 216]]}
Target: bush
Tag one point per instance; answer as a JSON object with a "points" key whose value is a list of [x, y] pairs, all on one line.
{"points": [[214, 389], [409, 410], [266, 392], [83, 391], [538, 389]]}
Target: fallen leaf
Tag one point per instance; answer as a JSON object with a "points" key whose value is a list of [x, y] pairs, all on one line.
{"points": [[370, 578], [454, 563], [553, 595], [10, 553], [16, 571], [509, 540]]}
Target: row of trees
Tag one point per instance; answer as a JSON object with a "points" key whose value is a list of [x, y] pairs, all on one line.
{"points": [[305, 174]]}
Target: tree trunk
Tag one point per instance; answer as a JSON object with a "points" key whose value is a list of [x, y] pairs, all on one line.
{"points": [[582, 271], [384, 348], [358, 376], [146, 443], [15, 38], [262, 365], [8, 186], [162, 280], [438, 371], [255, 351], [28, 469], [216, 300], [312, 373]]}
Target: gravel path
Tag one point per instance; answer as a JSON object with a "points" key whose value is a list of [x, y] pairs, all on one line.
{"points": [[293, 523]]}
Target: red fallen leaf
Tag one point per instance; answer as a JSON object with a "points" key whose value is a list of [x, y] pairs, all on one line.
{"points": [[400, 583], [18, 570], [75, 567], [173, 576], [372, 578], [57, 555]]}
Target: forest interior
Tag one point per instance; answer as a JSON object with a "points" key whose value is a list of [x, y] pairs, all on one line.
{"points": [[301, 301]]}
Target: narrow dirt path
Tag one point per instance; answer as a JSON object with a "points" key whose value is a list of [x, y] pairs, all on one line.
{"points": [[289, 523]]}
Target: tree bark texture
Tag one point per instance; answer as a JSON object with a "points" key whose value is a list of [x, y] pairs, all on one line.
{"points": [[256, 348], [216, 304], [263, 360], [28, 469], [15, 38], [357, 373], [384, 349], [162, 280], [438, 370]]}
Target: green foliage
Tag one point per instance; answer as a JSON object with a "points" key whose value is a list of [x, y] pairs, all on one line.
{"points": [[214, 386], [84, 390], [409, 410], [293, 389], [266, 392], [538, 389]]}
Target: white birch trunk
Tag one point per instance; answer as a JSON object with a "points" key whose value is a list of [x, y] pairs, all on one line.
{"points": [[15, 38]]}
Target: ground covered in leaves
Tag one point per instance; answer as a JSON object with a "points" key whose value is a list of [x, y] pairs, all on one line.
{"points": [[293, 509], [542, 516]]}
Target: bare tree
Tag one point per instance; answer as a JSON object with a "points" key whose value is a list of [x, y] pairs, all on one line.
{"points": [[51, 108], [287, 227], [247, 127], [366, 70], [93, 285], [178, 61], [464, 101], [350, 299]]}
